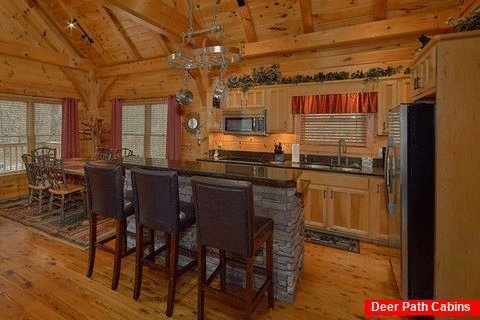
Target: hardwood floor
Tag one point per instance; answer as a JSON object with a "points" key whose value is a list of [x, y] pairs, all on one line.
{"points": [[43, 278]]}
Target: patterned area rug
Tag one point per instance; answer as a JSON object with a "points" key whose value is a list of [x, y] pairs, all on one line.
{"points": [[334, 241], [73, 229]]}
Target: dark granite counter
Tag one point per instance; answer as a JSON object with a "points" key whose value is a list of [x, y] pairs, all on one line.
{"points": [[257, 174], [316, 166]]}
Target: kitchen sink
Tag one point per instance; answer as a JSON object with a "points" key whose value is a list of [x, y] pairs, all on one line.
{"points": [[318, 166], [326, 167]]}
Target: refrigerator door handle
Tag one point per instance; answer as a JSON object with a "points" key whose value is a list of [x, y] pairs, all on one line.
{"points": [[388, 171]]}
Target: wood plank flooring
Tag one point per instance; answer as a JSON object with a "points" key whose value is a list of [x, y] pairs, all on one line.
{"points": [[43, 278]]}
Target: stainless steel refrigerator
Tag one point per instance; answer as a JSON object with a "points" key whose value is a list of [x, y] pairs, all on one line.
{"points": [[410, 188]]}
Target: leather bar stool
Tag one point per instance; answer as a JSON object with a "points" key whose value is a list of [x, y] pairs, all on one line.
{"points": [[226, 221], [157, 207], [105, 197]]}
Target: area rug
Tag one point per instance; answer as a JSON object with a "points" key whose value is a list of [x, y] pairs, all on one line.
{"points": [[73, 229], [334, 241]]}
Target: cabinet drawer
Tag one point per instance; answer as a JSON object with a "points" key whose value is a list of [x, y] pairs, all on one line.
{"points": [[336, 180]]}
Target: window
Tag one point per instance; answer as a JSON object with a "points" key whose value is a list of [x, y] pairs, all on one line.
{"points": [[327, 129], [144, 128], [24, 126]]}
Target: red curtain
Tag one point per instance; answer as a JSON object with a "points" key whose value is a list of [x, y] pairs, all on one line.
{"points": [[174, 129], [116, 126], [70, 128], [361, 102]]}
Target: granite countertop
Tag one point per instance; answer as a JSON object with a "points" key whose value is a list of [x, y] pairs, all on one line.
{"points": [[257, 174], [316, 166]]}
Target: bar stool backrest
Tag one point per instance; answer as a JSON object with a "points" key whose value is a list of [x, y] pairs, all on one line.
{"points": [[225, 214], [105, 190], [156, 199]]}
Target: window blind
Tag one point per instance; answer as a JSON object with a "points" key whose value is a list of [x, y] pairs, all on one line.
{"points": [[48, 125], [17, 134], [144, 128], [13, 135], [329, 128]]}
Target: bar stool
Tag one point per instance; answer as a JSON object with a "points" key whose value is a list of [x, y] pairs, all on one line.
{"points": [[157, 207], [226, 221], [105, 198]]}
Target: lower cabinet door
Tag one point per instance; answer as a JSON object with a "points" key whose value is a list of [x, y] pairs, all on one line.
{"points": [[349, 210], [316, 205]]}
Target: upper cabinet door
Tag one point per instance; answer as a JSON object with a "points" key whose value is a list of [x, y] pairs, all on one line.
{"points": [[252, 98], [424, 74], [387, 99], [279, 112]]}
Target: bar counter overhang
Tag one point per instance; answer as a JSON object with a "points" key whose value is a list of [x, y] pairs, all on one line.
{"points": [[275, 197]]}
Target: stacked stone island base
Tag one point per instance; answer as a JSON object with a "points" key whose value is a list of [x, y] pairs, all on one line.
{"points": [[285, 207]]}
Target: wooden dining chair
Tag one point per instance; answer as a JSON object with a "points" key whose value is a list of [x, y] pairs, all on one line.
{"points": [[44, 151], [37, 182], [62, 192]]}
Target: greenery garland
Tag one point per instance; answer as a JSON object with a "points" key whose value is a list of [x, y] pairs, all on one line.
{"points": [[271, 75]]}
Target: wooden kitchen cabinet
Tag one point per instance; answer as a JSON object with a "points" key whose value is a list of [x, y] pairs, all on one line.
{"points": [[336, 202], [379, 219], [252, 98], [424, 74], [279, 113], [349, 210], [315, 204], [387, 99]]}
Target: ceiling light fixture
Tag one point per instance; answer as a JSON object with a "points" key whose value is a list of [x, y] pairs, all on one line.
{"points": [[84, 35], [216, 49]]}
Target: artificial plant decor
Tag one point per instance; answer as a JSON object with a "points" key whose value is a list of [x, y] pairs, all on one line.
{"points": [[472, 22], [271, 75]]}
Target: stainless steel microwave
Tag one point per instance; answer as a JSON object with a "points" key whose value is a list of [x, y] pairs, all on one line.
{"points": [[245, 123]]}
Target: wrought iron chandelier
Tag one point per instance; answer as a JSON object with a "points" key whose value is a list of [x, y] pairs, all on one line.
{"points": [[222, 51]]}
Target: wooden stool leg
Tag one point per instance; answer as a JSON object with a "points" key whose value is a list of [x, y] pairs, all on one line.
{"points": [[223, 272], [92, 244], [271, 297], [151, 251], [201, 282], [249, 287], [172, 277], [118, 252], [168, 245], [138, 262]]}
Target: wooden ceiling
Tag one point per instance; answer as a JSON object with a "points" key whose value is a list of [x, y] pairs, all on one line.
{"points": [[125, 31]]}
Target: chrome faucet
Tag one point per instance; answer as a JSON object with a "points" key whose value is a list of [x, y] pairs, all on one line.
{"points": [[217, 149], [342, 147]]}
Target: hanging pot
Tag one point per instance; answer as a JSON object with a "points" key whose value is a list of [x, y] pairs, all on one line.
{"points": [[184, 97]]}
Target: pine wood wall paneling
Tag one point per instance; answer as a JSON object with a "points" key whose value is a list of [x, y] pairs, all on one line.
{"points": [[13, 185]]}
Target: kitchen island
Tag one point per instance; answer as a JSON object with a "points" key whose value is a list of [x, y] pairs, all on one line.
{"points": [[275, 197]]}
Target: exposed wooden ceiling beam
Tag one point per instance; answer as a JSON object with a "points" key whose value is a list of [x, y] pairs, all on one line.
{"points": [[379, 10], [306, 13], [42, 55], [121, 33], [56, 22], [246, 19], [425, 23], [397, 27], [156, 13], [49, 21], [96, 45]]}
